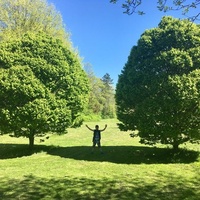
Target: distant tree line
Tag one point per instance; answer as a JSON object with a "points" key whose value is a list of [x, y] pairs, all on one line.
{"points": [[102, 96]]}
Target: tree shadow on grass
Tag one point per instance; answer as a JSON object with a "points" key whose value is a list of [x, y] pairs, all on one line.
{"points": [[126, 154], [113, 154], [76, 188], [19, 150]]}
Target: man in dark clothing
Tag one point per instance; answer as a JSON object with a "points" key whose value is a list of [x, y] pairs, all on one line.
{"points": [[96, 135]]}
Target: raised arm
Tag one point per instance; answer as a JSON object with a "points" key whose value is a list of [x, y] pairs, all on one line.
{"points": [[89, 127], [104, 128]]}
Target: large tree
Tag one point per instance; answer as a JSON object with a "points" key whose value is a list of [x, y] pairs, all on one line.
{"points": [[133, 6], [18, 17], [158, 91], [42, 86]]}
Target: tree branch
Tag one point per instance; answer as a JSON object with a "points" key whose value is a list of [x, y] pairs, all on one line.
{"points": [[131, 7]]}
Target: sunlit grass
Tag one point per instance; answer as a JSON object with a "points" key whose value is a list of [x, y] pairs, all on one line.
{"points": [[63, 167]]}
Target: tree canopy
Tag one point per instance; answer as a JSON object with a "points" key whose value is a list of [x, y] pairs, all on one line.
{"points": [[18, 17], [43, 86], [158, 91]]}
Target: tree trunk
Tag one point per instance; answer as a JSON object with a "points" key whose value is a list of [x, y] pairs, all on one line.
{"points": [[175, 146], [31, 139]]}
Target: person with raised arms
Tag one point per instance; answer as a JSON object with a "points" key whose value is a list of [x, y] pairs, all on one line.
{"points": [[96, 136]]}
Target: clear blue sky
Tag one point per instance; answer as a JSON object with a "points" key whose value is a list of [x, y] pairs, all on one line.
{"points": [[104, 35]]}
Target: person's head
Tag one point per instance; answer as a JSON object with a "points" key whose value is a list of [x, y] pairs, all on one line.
{"points": [[97, 127]]}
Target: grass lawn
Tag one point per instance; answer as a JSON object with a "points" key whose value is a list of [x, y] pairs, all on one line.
{"points": [[63, 167]]}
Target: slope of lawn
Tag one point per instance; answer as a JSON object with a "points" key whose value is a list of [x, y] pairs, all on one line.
{"points": [[64, 167]]}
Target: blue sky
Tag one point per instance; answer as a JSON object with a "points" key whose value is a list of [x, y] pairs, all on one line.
{"points": [[104, 35]]}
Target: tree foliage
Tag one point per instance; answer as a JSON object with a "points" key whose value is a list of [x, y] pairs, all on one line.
{"points": [[43, 86], [101, 101], [108, 110], [18, 17], [131, 6], [95, 98], [158, 91]]}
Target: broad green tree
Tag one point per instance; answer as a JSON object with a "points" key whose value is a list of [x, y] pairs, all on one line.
{"points": [[42, 86], [158, 91], [18, 17]]}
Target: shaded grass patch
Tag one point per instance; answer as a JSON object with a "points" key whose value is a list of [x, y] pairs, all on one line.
{"points": [[113, 154], [127, 154], [72, 188]]}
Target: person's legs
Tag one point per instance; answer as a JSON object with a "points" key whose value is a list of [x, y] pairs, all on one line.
{"points": [[98, 143], [93, 146], [99, 146]]}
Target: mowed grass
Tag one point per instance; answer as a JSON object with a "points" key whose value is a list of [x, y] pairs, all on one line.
{"points": [[63, 167]]}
